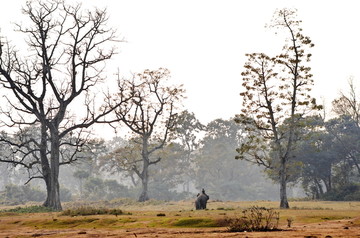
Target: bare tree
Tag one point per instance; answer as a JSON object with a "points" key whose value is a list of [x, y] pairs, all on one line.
{"points": [[346, 106], [67, 51], [275, 99], [348, 103], [150, 116]]}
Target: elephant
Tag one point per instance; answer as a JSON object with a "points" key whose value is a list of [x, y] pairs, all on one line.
{"points": [[201, 200]]}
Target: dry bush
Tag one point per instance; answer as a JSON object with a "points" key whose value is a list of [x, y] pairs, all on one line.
{"points": [[254, 219]]}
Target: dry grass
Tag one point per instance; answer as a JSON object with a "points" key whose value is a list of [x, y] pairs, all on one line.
{"points": [[305, 212], [179, 214]]}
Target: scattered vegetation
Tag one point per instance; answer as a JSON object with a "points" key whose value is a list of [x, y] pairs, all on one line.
{"points": [[246, 216]]}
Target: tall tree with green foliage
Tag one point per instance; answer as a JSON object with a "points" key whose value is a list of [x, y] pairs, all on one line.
{"points": [[315, 156], [163, 178], [329, 156], [345, 132], [188, 129], [345, 129], [219, 174], [276, 90]]}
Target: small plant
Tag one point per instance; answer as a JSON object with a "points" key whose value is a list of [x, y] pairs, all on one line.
{"points": [[160, 214], [289, 221], [254, 219]]}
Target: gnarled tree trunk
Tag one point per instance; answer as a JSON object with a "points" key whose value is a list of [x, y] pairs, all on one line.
{"points": [[52, 178]]}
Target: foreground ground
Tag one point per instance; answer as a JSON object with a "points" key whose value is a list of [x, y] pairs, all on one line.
{"points": [[310, 219]]}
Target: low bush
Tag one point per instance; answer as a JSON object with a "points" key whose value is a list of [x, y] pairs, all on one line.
{"points": [[87, 211], [30, 209], [254, 219]]}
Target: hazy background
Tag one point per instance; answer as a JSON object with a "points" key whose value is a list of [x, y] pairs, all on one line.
{"points": [[203, 43]]}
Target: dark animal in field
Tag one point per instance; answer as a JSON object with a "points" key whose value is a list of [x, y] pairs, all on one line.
{"points": [[201, 200]]}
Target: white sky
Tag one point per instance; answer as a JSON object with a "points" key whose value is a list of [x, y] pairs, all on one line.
{"points": [[203, 43]]}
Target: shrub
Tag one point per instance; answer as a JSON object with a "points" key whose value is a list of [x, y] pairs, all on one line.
{"points": [[87, 211], [30, 209], [254, 219]]}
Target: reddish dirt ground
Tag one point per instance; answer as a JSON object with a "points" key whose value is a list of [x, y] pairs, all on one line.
{"points": [[329, 229]]}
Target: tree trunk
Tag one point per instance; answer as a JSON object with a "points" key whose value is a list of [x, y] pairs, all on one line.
{"points": [[53, 194], [47, 172], [52, 182], [319, 188], [144, 182], [145, 172], [283, 195]]}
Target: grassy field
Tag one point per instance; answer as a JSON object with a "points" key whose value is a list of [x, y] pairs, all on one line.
{"points": [[170, 215]]}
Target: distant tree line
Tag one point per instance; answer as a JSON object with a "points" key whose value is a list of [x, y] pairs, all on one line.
{"points": [[329, 153], [104, 171]]}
